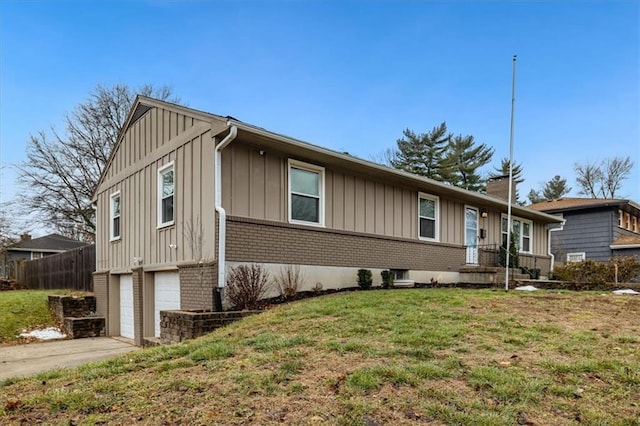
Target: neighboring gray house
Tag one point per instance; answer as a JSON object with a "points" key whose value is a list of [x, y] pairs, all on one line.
{"points": [[35, 248], [595, 228]]}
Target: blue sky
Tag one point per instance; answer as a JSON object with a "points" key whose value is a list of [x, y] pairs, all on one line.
{"points": [[347, 75]]}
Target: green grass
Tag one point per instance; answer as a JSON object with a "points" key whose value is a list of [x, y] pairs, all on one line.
{"points": [[380, 357], [24, 310]]}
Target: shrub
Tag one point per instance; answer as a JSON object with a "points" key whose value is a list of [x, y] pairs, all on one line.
{"points": [[364, 279], [387, 278], [598, 273], [246, 285], [289, 280], [514, 259]]}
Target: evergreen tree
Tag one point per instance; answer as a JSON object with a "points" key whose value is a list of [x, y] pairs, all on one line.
{"points": [[555, 188], [463, 160], [423, 154]]}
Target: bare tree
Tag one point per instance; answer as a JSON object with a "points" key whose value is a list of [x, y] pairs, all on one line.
{"points": [[385, 157], [603, 180], [62, 170]]}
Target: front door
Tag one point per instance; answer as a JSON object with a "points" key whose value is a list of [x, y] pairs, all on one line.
{"points": [[471, 234]]}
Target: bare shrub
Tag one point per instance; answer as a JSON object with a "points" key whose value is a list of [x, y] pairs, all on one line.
{"points": [[246, 285], [590, 273], [289, 280]]}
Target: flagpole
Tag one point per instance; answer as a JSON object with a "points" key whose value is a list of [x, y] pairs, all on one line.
{"points": [[513, 104]]}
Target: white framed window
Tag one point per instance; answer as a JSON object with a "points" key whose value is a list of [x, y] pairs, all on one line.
{"points": [[36, 255], [627, 223], [523, 230], [166, 195], [428, 217], [114, 216], [620, 218], [306, 193], [634, 224], [576, 257]]}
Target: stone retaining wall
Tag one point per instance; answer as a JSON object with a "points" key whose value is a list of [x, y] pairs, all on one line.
{"points": [[177, 326], [78, 328], [77, 315], [68, 306]]}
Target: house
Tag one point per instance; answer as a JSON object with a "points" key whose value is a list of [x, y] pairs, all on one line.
{"points": [[186, 195], [35, 248], [595, 228]]}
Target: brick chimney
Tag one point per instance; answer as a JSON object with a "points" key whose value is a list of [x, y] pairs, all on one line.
{"points": [[498, 187], [25, 237]]}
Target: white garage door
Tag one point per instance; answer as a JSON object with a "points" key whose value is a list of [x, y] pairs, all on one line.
{"points": [[166, 295], [126, 306]]}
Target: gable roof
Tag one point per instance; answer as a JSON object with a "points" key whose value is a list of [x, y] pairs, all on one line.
{"points": [[569, 204], [297, 147], [51, 242]]}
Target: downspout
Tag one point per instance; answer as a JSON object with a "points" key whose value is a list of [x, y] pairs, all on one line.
{"points": [[550, 229], [222, 214]]}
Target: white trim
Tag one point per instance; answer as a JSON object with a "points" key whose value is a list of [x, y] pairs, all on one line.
{"points": [[321, 190], [161, 171], [471, 251], [112, 196], [436, 200], [624, 246], [581, 254], [522, 221]]}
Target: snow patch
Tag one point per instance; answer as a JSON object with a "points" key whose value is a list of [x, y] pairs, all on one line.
{"points": [[526, 288], [45, 334], [625, 291]]}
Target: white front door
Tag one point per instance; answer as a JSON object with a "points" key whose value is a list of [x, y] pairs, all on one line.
{"points": [[126, 306], [166, 295], [471, 234]]}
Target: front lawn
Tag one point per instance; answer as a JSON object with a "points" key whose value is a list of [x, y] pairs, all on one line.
{"points": [[439, 357], [24, 310]]}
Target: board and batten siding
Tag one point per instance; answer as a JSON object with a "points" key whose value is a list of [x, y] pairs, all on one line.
{"points": [[255, 186], [156, 139]]}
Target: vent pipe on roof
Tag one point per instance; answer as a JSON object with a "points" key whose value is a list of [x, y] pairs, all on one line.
{"points": [[222, 214]]}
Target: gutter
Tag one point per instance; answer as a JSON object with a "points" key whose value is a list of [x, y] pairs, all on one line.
{"points": [[222, 214]]}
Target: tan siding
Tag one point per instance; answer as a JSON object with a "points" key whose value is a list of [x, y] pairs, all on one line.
{"points": [[153, 141], [370, 207]]}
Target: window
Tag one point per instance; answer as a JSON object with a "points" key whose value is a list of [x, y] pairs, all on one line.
{"points": [[165, 195], [620, 219], [428, 217], [36, 255], [634, 224], [627, 224], [576, 257], [306, 193], [114, 225], [522, 229]]}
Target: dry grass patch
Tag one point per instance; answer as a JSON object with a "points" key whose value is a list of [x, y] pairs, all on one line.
{"points": [[371, 358]]}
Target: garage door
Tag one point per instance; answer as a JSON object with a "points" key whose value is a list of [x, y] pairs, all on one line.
{"points": [[166, 295], [126, 306]]}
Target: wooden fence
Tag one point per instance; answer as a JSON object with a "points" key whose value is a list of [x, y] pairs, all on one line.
{"points": [[72, 269]]}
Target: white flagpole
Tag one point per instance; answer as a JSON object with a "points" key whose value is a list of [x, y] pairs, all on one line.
{"points": [[513, 104]]}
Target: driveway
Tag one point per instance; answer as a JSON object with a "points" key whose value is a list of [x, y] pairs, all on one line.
{"points": [[25, 360]]}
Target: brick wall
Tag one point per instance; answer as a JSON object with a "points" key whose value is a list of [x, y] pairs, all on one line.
{"points": [[252, 240], [138, 309], [197, 282], [101, 292]]}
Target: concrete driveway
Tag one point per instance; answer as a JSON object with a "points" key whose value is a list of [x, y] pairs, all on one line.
{"points": [[25, 360]]}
